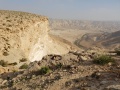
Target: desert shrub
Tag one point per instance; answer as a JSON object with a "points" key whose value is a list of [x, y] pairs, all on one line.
{"points": [[14, 71], [24, 66], [5, 54], [3, 63], [117, 51], [59, 65], [15, 63], [103, 59], [8, 20], [23, 60], [68, 67], [44, 70], [4, 24]]}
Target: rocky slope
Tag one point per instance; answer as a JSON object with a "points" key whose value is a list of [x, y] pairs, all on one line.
{"points": [[73, 71], [25, 35]]}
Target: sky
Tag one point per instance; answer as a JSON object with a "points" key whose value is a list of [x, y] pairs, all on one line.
{"points": [[100, 10]]}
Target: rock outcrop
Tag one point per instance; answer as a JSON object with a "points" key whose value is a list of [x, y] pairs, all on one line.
{"points": [[25, 35]]}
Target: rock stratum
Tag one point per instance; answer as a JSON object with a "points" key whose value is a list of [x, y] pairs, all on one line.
{"points": [[25, 35]]}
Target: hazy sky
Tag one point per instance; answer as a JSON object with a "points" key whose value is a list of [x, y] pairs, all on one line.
{"points": [[68, 9]]}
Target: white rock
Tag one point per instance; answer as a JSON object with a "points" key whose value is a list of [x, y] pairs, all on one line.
{"points": [[83, 58], [4, 82], [1, 80]]}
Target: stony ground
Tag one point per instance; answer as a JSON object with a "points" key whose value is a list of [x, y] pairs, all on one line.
{"points": [[73, 71]]}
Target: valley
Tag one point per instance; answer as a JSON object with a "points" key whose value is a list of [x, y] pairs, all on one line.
{"points": [[87, 34], [38, 53]]}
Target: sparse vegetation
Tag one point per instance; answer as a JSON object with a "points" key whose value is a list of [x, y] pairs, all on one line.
{"points": [[14, 70], [117, 51], [59, 66], [15, 63], [5, 54], [103, 59], [44, 70], [23, 60], [3, 63], [24, 66]]}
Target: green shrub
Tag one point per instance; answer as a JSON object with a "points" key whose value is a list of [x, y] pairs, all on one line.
{"points": [[103, 59], [15, 63], [118, 53], [3, 63], [59, 66], [44, 70], [24, 66]]}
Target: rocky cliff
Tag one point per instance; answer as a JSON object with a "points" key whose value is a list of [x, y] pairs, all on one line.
{"points": [[25, 35]]}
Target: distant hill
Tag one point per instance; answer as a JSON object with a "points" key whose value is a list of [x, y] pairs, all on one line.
{"points": [[107, 40], [87, 34], [112, 40], [84, 25]]}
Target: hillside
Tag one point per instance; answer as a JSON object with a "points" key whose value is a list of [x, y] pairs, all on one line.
{"points": [[25, 35], [106, 40], [112, 40]]}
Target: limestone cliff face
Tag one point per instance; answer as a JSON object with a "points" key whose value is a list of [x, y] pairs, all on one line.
{"points": [[26, 35]]}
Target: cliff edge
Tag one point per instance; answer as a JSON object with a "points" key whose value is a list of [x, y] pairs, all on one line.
{"points": [[25, 35]]}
